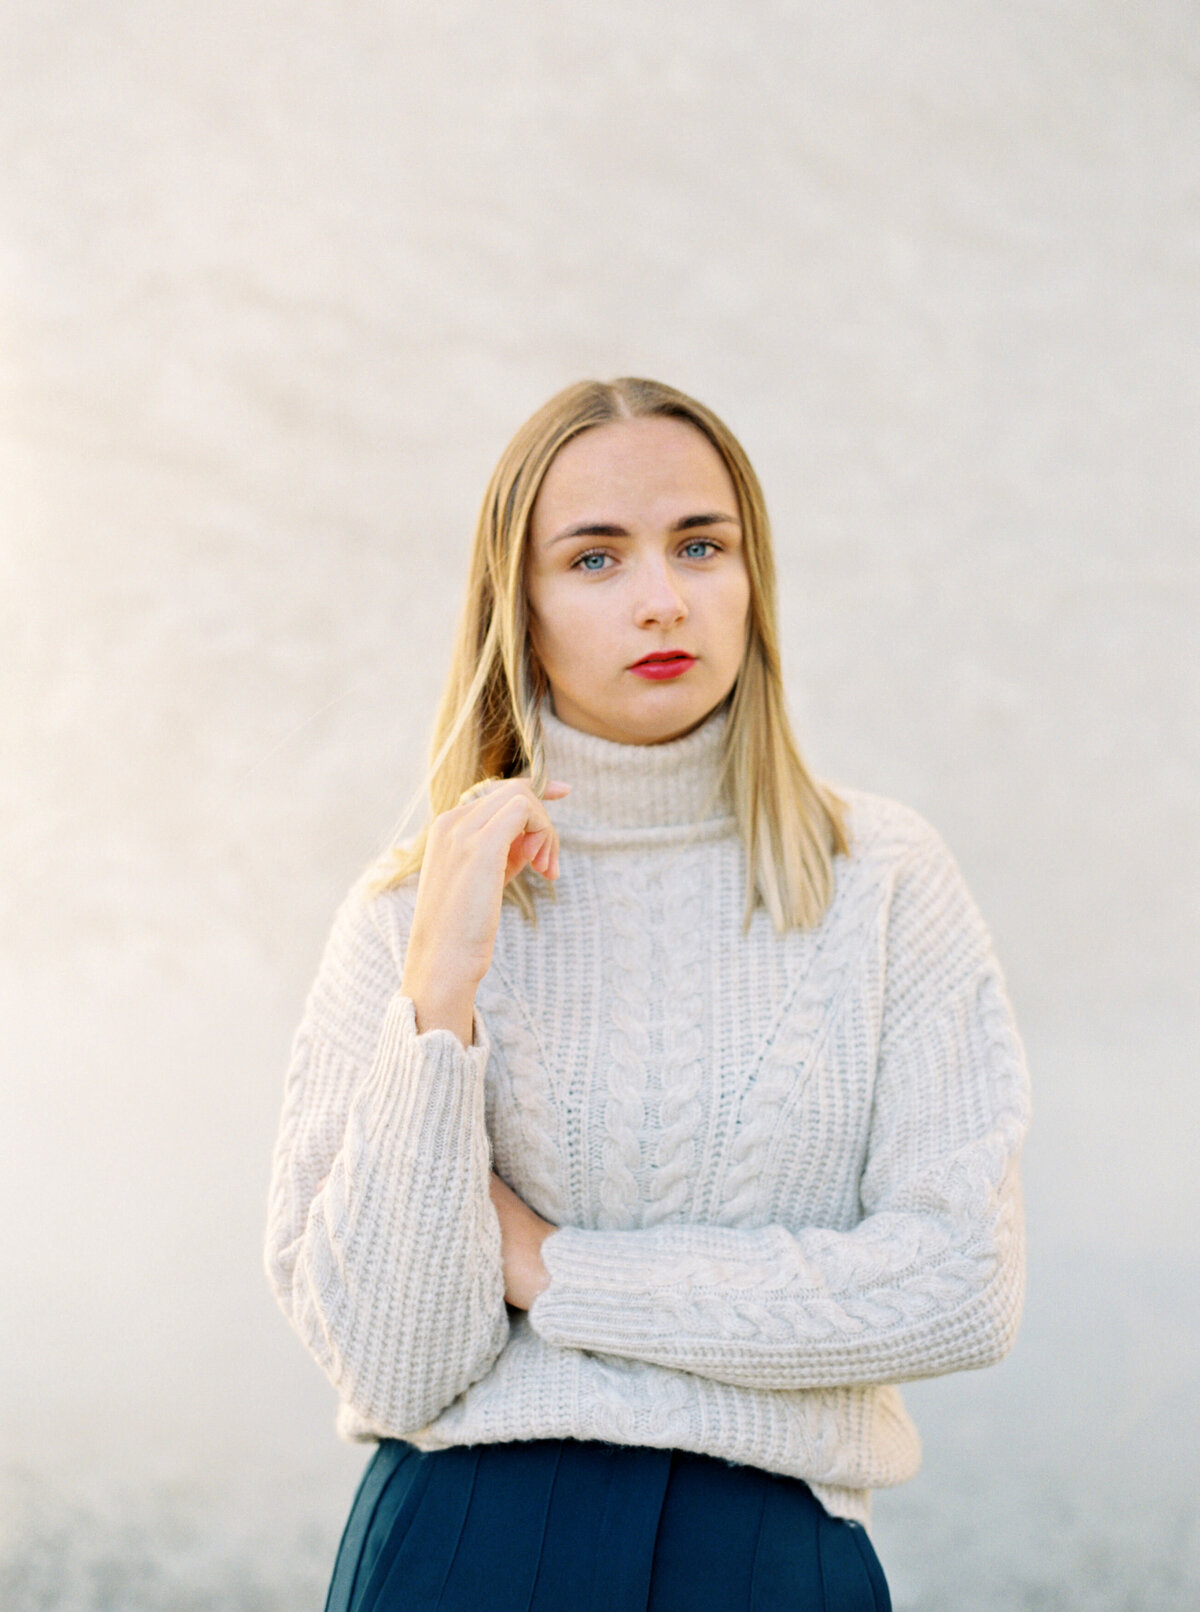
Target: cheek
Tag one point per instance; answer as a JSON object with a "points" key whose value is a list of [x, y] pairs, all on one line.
{"points": [[565, 632], [735, 611]]}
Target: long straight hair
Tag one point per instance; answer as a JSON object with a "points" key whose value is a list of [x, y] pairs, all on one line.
{"points": [[488, 723]]}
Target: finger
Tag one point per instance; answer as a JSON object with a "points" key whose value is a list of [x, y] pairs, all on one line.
{"points": [[525, 850], [519, 814], [497, 795], [492, 789], [555, 788], [539, 848], [498, 790], [504, 813], [547, 864], [545, 857], [476, 791], [517, 824]]}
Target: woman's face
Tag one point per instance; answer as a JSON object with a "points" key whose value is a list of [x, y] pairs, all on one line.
{"points": [[635, 550]]}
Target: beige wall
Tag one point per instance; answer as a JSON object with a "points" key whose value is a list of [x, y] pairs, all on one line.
{"points": [[276, 284]]}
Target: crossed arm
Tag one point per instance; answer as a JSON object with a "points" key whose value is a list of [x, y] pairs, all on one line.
{"points": [[393, 1247]]}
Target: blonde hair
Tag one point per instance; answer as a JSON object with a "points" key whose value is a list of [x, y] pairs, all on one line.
{"points": [[488, 723]]}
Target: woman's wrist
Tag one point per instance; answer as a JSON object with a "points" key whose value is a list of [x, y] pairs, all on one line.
{"points": [[536, 1278], [441, 1007], [522, 1233]]}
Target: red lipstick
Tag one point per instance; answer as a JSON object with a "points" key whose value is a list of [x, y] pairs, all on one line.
{"points": [[664, 663]]}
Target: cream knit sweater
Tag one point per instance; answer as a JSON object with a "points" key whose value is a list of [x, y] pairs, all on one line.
{"points": [[785, 1168]]}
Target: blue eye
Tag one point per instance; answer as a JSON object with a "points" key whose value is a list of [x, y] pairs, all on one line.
{"points": [[696, 548]]}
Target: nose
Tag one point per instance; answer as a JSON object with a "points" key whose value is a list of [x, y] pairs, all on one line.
{"points": [[660, 602]]}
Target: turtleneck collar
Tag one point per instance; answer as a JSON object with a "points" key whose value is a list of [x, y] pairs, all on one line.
{"points": [[625, 794]]}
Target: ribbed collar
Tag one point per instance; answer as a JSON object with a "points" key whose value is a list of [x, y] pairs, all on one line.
{"points": [[625, 794]]}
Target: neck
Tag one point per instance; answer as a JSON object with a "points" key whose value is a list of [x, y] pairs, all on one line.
{"points": [[626, 793]]}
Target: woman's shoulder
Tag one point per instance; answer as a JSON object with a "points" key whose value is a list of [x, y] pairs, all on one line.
{"points": [[372, 920], [883, 831], [908, 865], [363, 954]]}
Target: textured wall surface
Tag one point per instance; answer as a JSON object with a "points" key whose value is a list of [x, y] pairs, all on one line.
{"points": [[276, 285]]}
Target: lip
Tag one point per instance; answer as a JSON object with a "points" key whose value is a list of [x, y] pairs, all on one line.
{"points": [[663, 664]]}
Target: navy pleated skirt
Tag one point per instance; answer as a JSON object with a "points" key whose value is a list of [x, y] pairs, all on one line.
{"points": [[556, 1525]]}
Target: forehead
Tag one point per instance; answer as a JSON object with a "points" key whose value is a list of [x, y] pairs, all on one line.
{"points": [[633, 470]]}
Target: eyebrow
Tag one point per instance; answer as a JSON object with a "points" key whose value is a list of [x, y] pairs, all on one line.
{"points": [[608, 529]]}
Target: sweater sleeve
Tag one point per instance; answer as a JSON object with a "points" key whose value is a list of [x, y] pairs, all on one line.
{"points": [[382, 1247], [930, 1280]]}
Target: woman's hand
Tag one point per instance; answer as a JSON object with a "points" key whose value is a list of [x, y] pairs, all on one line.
{"points": [[522, 1234], [471, 853]]}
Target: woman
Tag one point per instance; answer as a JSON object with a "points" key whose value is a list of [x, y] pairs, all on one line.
{"points": [[634, 1149]]}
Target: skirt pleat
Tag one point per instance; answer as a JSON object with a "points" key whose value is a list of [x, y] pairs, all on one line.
{"points": [[558, 1525], [598, 1550], [708, 1535]]}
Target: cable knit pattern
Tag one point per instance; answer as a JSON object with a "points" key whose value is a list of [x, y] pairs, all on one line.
{"points": [[784, 1167], [628, 943], [788, 1057], [670, 1182], [525, 1097]]}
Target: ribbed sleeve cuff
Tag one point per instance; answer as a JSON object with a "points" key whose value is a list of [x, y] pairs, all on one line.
{"points": [[424, 1086], [615, 1291]]}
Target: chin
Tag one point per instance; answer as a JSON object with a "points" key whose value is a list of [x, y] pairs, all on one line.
{"points": [[662, 727], [641, 721]]}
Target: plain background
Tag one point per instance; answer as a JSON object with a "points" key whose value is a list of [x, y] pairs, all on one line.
{"points": [[277, 283]]}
